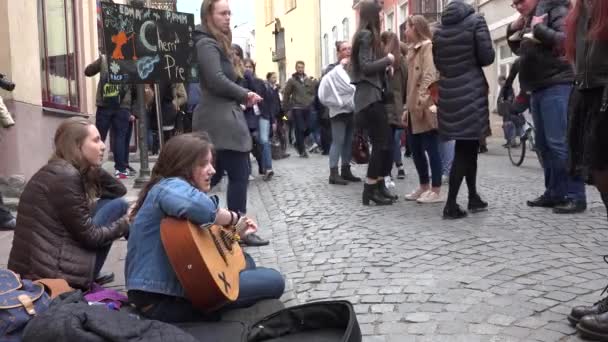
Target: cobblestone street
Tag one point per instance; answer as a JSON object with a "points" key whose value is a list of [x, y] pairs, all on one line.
{"points": [[509, 274]]}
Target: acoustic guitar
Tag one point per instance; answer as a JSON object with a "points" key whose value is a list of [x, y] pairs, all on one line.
{"points": [[207, 261]]}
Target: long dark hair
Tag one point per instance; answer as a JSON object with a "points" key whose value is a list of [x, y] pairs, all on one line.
{"points": [[369, 19], [391, 44], [598, 30], [178, 158], [224, 39]]}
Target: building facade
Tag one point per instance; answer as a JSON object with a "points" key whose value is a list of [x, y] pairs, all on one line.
{"points": [[338, 23], [287, 31], [46, 61]]}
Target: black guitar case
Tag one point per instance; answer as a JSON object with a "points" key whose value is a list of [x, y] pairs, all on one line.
{"points": [[328, 321]]}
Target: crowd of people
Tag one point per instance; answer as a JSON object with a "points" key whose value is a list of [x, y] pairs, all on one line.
{"points": [[430, 88]]}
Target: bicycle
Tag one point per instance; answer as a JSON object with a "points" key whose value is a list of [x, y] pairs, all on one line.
{"points": [[526, 140]]}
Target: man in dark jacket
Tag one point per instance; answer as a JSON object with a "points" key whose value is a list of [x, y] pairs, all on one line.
{"points": [[298, 96], [549, 76]]}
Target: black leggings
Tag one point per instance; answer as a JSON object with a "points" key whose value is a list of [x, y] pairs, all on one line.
{"points": [[464, 166], [374, 119]]}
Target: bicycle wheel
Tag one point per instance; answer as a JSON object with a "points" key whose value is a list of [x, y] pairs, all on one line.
{"points": [[517, 152], [532, 143]]}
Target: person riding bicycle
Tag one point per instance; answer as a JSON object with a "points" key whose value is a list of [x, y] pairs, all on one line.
{"points": [[510, 107]]}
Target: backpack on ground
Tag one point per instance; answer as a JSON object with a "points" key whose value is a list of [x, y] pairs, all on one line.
{"points": [[20, 301]]}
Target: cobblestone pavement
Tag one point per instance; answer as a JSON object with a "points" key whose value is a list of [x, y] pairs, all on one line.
{"points": [[509, 274]]}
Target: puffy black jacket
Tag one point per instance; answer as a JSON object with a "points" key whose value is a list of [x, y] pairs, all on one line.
{"points": [[591, 56], [55, 235], [461, 47], [544, 64]]}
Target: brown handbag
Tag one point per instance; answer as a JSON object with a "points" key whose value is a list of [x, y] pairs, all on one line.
{"points": [[360, 148], [55, 287]]}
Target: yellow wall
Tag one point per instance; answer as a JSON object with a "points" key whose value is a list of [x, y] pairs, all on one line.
{"points": [[302, 31]]}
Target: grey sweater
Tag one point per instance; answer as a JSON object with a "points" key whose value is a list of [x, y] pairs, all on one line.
{"points": [[219, 112]]}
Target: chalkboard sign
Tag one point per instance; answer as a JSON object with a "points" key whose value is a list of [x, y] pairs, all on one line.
{"points": [[146, 45]]}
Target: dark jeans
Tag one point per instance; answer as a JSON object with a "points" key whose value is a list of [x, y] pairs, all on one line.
{"points": [[236, 165], [301, 120], [464, 166], [255, 284], [549, 108], [5, 214], [116, 120], [424, 144], [373, 118], [106, 212], [326, 134]]}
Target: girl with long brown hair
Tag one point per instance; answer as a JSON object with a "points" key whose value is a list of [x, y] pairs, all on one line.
{"points": [[587, 47], [221, 116], [178, 188], [70, 212], [397, 86], [421, 115], [369, 69]]}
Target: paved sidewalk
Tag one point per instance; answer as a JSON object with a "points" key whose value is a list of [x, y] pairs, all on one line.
{"points": [[509, 274]]}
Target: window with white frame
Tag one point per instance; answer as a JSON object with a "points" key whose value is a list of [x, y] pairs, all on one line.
{"points": [[390, 21], [403, 12], [335, 38], [345, 29]]}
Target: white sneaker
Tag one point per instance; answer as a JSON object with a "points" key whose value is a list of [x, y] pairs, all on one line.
{"points": [[414, 195], [251, 178], [445, 179], [430, 197]]}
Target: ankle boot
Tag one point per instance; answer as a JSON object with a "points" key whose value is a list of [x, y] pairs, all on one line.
{"points": [[371, 192], [476, 204], [452, 211], [594, 327], [334, 177], [384, 191], [348, 175]]}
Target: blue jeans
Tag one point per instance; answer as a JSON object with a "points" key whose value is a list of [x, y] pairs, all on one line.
{"points": [[342, 130], [549, 108], [236, 165], [424, 144], [118, 121], [264, 129], [315, 128], [397, 158], [446, 152], [106, 212], [255, 284]]}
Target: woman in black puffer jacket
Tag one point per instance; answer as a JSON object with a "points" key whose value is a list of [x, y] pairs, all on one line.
{"points": [[461, 47]]}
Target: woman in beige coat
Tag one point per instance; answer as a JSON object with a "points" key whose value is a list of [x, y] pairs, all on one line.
{"points": [[421, 113]]}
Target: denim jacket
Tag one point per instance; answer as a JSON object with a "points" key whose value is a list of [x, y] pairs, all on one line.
{"points": [[147, 267]]}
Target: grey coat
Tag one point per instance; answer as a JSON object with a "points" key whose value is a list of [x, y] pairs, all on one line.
{"points": [[219, 112], [461, 47]]}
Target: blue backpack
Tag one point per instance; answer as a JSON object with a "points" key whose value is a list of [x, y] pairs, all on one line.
{"points": [[20, 301]]}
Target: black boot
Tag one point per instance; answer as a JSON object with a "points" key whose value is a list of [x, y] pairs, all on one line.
{"points": [[599, 307], [348, 175], [371, 192], [334, 177], [453, 212], [385, 191], [594, 327], [476, 204]]}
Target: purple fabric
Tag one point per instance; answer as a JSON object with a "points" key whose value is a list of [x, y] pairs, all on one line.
{"points": [[99, 294]]}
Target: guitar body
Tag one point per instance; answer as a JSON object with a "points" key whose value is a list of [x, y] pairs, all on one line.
{"points": [[207, 261]]}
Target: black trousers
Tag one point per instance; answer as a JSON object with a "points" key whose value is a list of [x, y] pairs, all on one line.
{"points": [[464, 166], [375, 121]]}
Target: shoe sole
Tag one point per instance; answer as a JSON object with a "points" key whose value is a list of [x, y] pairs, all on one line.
{"points": [[573, 321], [454, 218], [591, 334], [477, 210]]}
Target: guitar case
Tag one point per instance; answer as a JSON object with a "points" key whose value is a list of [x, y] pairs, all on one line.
{"points": [[327, 321]]}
